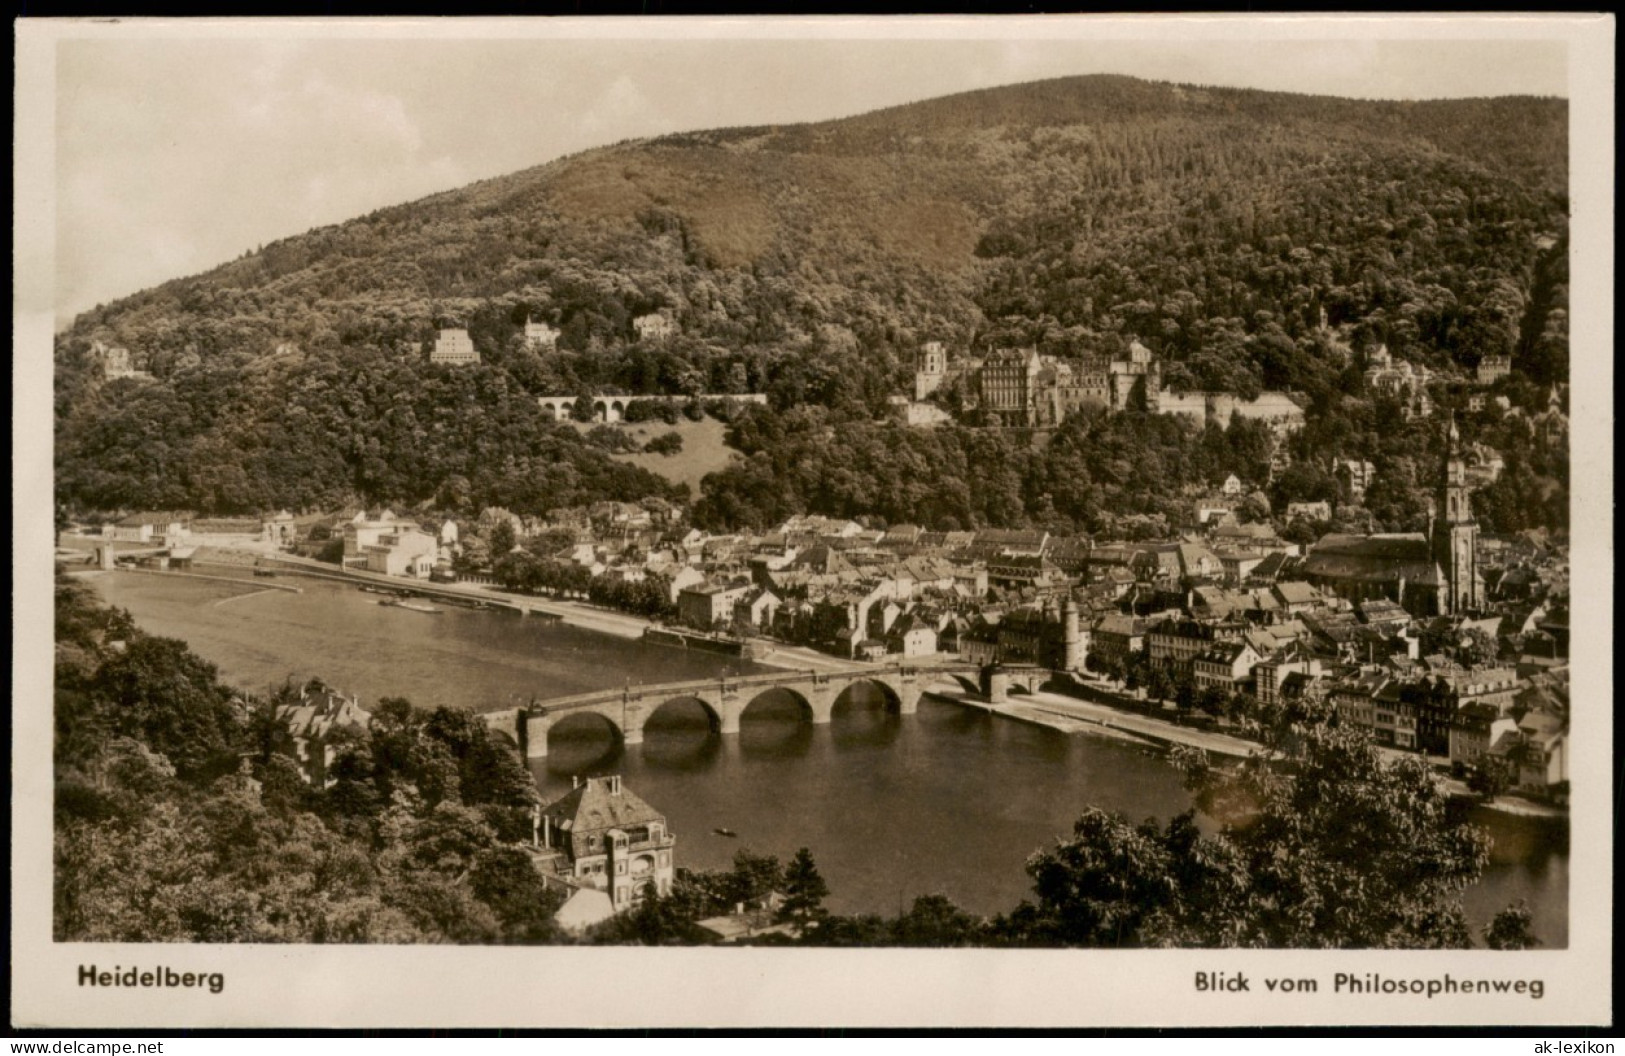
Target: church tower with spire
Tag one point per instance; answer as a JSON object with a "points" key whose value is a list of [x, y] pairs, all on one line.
{"points": [[1455, 534]]}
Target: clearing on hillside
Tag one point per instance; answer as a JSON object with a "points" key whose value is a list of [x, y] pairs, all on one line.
{"points": [[704, 450]]}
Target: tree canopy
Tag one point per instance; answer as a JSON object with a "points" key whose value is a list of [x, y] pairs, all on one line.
{"points": [[809, 263]]}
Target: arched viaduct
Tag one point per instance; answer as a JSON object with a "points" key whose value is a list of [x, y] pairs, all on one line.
{"points": [[613, 408], [725, 699]]}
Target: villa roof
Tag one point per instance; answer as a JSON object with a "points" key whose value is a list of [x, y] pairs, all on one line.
{"points": [[597, 805]]}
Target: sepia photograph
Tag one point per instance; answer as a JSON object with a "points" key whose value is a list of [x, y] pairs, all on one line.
{"points": [[905, 500]]}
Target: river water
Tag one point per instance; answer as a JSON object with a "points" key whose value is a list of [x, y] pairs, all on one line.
{"points": [[946, 801]]}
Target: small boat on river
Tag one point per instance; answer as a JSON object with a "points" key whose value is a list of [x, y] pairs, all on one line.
{"points": [[726, 832], [415, 606]]}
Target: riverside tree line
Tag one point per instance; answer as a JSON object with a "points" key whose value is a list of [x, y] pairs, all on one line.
{"points": [[1214, 225]]}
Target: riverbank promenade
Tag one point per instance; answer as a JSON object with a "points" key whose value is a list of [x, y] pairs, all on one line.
{"points": [[575, 614], [1068, 714]]}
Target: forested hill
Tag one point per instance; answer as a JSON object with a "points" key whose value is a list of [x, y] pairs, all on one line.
{"points": [[809, 261]]}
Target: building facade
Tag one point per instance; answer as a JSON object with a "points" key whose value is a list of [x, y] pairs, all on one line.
{"points": [[312, 729], [930, 369], [601, 836], [541, 336], [1455, 535], [454, 346]]}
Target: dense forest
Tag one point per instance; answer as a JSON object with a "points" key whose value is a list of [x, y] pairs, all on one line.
{"points": [[176, 820], [809, 262]]}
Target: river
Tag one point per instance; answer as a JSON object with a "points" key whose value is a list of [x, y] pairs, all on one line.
{"points": [[945, 801]]}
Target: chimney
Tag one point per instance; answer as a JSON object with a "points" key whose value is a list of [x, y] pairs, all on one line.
{"points": [[615, 784], [575, 781]]}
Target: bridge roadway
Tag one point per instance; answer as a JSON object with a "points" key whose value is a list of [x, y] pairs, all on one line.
{"points": [[725, 699]]}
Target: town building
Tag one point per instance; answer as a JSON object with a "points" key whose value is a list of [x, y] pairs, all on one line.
{"points": [[1493, 368], [1473, 729], [757, 608], [1044, 637], [1542, 750], [116, 362], [1270, 673], [709, 605], [312, 729], [1116, 638], [279, 529], [1400, 380], [1354, 476], [541, 336], [1314, 511], [1432, 573], [389, 546], [454, 346], [156, 527], [601, 837], [1177, 642], [1551, 426], [1394, 719], [1226, 666], [655, 326], [912, 636]]}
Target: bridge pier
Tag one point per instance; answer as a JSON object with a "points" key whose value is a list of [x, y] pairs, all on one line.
{"points": [[821, 698], [634, 713], [534, 741]]}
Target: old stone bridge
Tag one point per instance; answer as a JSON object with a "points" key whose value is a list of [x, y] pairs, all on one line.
{"points": [[725, 699]]}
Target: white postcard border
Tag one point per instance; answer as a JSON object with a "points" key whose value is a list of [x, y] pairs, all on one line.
{"points": [[450, 987]]}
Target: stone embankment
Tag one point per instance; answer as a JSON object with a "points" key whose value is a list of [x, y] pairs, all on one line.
{"points": [[1071, 715]]}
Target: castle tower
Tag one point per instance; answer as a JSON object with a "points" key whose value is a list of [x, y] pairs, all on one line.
{"points": [[930, 368], [1455, 533]]}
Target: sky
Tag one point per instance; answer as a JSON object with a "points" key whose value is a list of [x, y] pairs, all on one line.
{"points": [[176, 154]]}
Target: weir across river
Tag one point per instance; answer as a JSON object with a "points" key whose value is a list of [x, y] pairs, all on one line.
{"points": [[725, 699]]}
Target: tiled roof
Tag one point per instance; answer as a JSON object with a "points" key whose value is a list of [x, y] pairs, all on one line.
{"points": [[1296, 593], [592, 807]]}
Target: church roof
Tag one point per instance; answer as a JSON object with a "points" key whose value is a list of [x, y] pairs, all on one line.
{"points": [[1373, 557]]}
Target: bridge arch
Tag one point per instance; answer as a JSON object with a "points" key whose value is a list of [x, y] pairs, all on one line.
{"points": [[891, 700], [505, 737], [781, 719], [576, 725], [947, 682], [670, 705], [768, 696]]}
